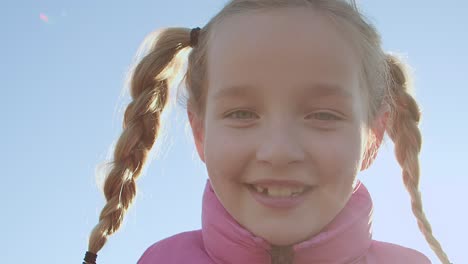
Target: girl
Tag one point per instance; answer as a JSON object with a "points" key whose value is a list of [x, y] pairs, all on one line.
{"points": [[287, 100]]}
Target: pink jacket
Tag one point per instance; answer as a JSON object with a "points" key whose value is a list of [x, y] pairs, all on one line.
{"points": [[347, 240]]}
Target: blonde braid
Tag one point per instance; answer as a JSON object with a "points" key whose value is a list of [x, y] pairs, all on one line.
{"points": [[149, 91], [403, 130]]}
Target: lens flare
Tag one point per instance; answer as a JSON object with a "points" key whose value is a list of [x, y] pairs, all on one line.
{"points": [[43, 17]]}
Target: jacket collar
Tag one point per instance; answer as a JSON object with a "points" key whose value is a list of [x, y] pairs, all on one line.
{"points": [[344, 240]]}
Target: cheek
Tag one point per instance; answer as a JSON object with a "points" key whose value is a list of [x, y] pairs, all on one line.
{"points": [[337, 156], [226, 152], [227, 156]]}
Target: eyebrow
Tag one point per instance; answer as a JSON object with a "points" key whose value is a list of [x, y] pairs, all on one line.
{"points": [[234, 91], [325, 90], [315, 90]]}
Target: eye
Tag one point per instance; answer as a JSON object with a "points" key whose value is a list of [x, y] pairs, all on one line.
{"points": [[240, 114], [325, 116]]}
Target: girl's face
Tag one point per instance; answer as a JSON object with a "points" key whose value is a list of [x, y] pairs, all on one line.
{"points": [[283, 104]]}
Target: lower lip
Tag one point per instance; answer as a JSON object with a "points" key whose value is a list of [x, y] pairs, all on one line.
{"points": [[278, 202]]}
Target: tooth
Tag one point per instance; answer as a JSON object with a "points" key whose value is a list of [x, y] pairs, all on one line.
{"points": [[273, 191], [298, 190], [259, 189], [279, 191], [285, 192]]}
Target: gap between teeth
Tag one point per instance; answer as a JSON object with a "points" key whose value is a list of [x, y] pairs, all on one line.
{"points": [[279, 191]]}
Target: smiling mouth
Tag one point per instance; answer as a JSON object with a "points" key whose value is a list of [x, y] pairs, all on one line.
{"points": [[279, 191]]}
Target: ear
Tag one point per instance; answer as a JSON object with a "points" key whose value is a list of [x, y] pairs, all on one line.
{"points": [[374, 140], [198, 133]]}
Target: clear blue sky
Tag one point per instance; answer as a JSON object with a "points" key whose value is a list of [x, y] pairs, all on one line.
{"points": [[62, 75]]}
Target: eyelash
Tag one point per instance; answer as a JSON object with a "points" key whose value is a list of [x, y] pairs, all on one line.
{"points": [[238, 111], [332, 117]]}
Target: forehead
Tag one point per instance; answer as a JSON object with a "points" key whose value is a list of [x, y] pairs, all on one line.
{"points": [[280, 49]]}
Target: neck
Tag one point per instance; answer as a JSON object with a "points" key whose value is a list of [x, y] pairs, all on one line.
{"points": [[281, 254]]}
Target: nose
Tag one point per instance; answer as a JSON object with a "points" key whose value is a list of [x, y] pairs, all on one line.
{"points": [[280, 146]]}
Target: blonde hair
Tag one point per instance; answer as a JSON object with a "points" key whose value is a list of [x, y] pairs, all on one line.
{"points": [[383, 75]]}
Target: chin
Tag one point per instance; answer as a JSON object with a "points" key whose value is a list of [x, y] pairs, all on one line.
{"points": [[284, 237]]}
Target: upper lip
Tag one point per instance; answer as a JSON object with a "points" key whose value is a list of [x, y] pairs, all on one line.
{"points": [[279, 183]]}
